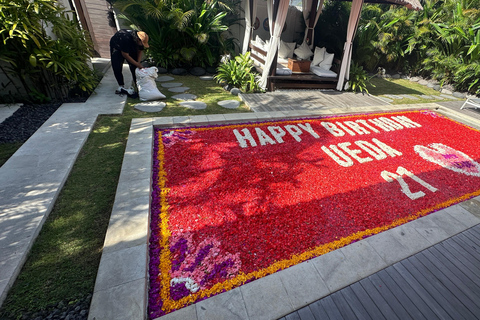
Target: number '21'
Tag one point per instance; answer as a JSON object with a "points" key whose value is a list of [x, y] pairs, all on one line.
{"points": [[390, 176]]}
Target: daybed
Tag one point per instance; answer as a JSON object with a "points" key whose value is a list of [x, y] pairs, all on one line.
{"points": [[317, 77]]}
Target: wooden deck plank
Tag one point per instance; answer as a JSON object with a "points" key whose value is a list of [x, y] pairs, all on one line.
{"points": [[449, 305], [446, 288], [318, 311], [442, 254], [306, 314], [379, 300], [460, 254], [392, 300], [410, 291], [473, 236], [411, 308], [331, 308], [475, 230], [366, 301], [462, 281], [293, 316], [455, 287], [343, 306], [355, 303], [420, 290], [469, 246]]}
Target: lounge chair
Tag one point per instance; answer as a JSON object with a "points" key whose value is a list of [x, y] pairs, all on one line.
{"points": [[474, 102]]}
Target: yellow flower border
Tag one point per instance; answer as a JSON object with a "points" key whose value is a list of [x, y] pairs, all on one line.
{"points": [[165, 260]]}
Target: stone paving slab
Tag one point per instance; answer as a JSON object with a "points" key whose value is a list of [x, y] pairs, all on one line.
{"points": [[229, 104], [448, 96], [387, 100], [164, 79], [171, 84], [6, 110], [31, 180], [185, 97], [197, 105], [425, 96], [407, 96], [178, 89], [394, 96], [152, 106]]}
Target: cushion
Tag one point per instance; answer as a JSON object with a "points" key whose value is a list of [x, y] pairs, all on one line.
{"points": [[286, 49], [282, 61], [282, 71], [327, 61], [322, 72], [303, 52], [260, 43], [318, 56]]}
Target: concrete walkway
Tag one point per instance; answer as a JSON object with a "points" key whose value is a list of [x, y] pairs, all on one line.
{"points": [[6, 110], [33, 177]]}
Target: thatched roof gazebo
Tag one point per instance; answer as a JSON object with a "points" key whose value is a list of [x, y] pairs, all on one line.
{"points": [[311, 9]]}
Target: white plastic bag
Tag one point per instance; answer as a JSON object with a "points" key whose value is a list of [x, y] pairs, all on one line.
{"points": [[147, 88]]}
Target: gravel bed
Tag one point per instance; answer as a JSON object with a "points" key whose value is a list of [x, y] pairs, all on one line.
{"points": [[62, 311], [25, 121]]}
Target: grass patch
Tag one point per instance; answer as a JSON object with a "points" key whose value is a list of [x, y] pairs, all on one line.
{"points": [[7, 150], [382, 87]]}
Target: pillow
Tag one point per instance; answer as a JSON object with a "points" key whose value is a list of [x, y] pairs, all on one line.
{"points": [[326, 64], [286, 49], [260, 43], [318, 56], [303, 52], [322, 72]]}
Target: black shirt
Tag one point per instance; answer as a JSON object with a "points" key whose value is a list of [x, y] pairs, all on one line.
{"points": [[126, 41]]}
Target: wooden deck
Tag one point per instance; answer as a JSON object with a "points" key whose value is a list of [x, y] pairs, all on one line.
{"points": [[441, 282], [285, 100]]}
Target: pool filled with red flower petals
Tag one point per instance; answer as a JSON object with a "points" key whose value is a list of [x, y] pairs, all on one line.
{"points": [[234, 203]]}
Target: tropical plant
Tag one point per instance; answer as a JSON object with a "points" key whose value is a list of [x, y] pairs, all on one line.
{"points": [[441, 41], [182, 33], [239, 73], [359, 78], [44, 66]]}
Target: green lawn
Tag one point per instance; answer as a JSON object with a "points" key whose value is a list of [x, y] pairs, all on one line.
{"points": [[63, 262], [381, 87]]}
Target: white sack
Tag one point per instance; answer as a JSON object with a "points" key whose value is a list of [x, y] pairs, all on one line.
{"points": [[147, 88]]}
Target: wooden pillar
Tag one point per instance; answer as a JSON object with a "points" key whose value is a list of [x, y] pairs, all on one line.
{"points": [[311, 21]]}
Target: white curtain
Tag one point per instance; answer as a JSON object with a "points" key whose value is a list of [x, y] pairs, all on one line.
{"points": [[275, 37], [306, 8], [270, 16], [347, 50], [250, 15]]}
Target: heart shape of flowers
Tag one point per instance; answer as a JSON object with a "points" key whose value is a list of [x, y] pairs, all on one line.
{"points": [[449, 158]]}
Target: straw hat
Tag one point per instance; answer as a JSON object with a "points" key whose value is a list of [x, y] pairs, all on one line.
{"points": [[144, 38]]}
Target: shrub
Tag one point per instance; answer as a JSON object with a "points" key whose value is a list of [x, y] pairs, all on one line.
{"points": [[239, 73], [359, 78], [182, 33], [46, 67]]}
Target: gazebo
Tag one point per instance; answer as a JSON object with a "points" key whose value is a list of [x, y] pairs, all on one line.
{"points": [[311, 9]]}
